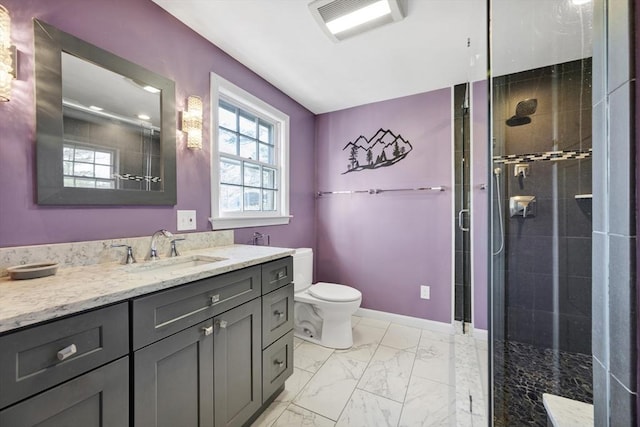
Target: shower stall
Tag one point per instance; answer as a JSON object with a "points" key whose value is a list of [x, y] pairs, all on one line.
{"points": [[563, 293], [541, 175], [542, 186]]}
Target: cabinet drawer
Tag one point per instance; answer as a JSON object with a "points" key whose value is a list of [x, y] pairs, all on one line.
{"points": [[277, 365], [277, 314], [276, 274], [30, 359], [98, 398], [165, 313]]}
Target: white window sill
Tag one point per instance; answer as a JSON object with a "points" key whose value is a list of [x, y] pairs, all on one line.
{"points": [[227, 223]]}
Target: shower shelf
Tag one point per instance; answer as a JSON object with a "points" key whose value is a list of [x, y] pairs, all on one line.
{"points": [[583, 196]]}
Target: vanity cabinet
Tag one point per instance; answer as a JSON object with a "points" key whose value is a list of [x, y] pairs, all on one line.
{"points": [[69, 372], [200, 348], [213, 352]]}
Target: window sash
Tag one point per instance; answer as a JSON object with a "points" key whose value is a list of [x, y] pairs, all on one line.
{"points": [[272, 142], [91, 162], [263, 134]]}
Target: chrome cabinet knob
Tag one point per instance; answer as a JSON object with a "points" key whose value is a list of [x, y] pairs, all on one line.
{"points": [[67, 352], [208, 330], [279, 314], [279, 363], [215, 299], [222, 324]]}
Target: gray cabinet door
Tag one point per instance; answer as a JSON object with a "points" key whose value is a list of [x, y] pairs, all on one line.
{"points": [[98, 398], [237, 364], [173, 380]]}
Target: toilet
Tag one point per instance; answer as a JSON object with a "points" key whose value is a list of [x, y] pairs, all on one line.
{"points": [[322, 312]]}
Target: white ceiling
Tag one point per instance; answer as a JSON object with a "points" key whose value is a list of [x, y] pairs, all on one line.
{"points": [[440, 43]]}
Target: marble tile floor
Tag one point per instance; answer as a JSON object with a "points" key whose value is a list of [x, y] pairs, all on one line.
{"points": [[394, 375]]}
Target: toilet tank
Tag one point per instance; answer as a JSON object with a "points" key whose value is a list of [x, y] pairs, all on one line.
{"points": [[302, 268]]}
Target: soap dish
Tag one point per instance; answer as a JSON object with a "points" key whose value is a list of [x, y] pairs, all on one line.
{"points": [[33, 271]]}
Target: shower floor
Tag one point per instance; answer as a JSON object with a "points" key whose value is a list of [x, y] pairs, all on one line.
{"points": [[523, 372]]}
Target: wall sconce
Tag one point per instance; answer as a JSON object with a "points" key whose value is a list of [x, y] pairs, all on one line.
{"points": [[192, 122], [7, 56]]}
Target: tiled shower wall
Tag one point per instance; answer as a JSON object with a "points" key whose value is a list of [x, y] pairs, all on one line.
{"points": [[548, 255], [614, 222]]}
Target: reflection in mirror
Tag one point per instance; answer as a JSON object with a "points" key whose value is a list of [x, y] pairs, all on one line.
{"points": [[105, 126], [111, 130]]}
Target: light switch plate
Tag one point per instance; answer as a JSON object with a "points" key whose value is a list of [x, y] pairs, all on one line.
{"points": [[186, 220], [425, 292]]}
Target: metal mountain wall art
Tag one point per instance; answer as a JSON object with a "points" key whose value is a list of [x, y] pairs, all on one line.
{"points": [[383, 149]]}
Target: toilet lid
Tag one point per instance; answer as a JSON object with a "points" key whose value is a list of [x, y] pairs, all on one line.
{"points": [[334, 292]]}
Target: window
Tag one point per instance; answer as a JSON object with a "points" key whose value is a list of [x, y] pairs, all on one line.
{"points": [[250, 177], [87, 167]]}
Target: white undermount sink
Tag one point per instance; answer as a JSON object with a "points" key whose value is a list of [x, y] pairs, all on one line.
{"points": [[174, 264]]}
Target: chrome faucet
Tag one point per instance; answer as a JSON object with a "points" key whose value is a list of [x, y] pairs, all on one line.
{"points": [[154, 253], [174, 249], [259, 237], [130, 258]]}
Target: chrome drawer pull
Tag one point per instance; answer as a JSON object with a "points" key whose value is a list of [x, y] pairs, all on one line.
{"points": [[215, 299], [279, 363], [279, 314], [208, 330], [281, 274], [67, 352], [222, 324]]}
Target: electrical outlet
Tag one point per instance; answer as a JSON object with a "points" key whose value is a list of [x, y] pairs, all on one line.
{"points": [[186, 220], [425, 292]]}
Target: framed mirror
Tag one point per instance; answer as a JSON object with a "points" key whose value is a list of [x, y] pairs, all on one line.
{"points": [[106, 127]]}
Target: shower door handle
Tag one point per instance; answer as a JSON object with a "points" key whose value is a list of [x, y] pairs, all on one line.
{"points": [[461, 219]]}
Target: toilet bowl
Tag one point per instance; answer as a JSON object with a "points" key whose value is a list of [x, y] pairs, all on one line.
{"points": [[322, 311]]}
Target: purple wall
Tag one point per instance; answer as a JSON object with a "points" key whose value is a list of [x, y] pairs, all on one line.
{"points": [[480, 207], [142, 32], [389, 244]]}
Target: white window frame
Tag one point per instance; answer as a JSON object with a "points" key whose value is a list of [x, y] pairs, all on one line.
{"points": [[223, 89]]}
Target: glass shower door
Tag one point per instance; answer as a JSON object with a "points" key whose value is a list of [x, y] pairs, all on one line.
{"points": [[461, 115], [541, 222]]}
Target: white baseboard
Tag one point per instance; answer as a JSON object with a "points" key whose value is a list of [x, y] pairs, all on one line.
{"points": [[481, 334], [431, 325]]}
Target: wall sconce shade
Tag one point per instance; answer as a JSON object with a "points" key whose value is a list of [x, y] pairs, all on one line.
{"points": [[6, 55], [192, 122]]}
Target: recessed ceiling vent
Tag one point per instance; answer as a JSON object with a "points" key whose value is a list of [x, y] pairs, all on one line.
{"points": [[341, 19]]}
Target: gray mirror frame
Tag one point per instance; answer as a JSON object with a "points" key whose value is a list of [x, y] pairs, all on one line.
{"points": [[50, 42]]}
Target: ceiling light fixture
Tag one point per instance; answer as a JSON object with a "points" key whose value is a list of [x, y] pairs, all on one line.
{"points": [[151, 89], [96, 108], [341, 19], [144, 117]]}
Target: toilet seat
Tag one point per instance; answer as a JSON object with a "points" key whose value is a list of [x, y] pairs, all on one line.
{"points": [[333, 292]]}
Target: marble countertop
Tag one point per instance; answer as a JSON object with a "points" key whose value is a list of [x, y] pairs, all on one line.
{"points": [[71, 290]]}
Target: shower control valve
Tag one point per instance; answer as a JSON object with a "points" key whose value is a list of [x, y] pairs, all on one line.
{"points": [[521, 169]]}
